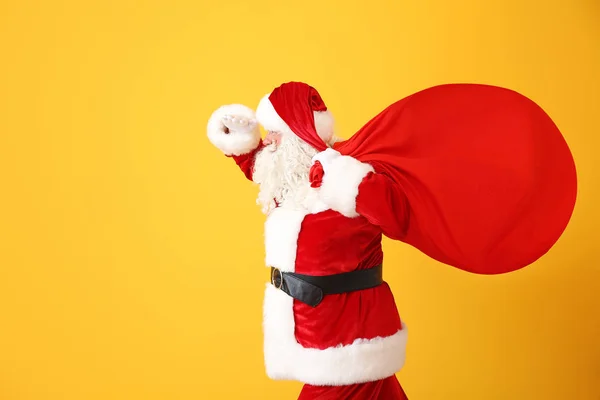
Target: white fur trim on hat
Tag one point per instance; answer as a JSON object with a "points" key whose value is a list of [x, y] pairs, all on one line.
{"points": [[271, 121], [236, 142], [324, 123]]}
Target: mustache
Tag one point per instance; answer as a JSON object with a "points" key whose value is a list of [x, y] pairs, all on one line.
{"points": [[272, 147]]}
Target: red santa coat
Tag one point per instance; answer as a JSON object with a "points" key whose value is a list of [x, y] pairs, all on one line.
{"points": [[352, 337]]}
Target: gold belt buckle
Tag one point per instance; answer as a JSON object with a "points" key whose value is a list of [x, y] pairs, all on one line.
{"points": [[274, 273]]}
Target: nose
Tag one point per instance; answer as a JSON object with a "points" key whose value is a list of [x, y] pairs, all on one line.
{"points": [[272, 137]]}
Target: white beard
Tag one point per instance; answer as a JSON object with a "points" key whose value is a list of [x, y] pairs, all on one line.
{"points": [[283, 174]]}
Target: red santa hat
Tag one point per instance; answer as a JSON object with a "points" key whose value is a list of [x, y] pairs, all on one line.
{"points": [[297, 108]]}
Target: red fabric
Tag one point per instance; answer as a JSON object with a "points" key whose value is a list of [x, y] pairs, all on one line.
{"points": [[295, 102], [246, 161], [488, 177], [383, 203], [385, 389], [316, 174], [330, 243]]}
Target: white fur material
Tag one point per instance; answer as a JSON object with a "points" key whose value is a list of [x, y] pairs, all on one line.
{"points": [[271, 121], [326, 158], [324, 123], [237, 142], [282, 228], [342, 177], [285, 359]]}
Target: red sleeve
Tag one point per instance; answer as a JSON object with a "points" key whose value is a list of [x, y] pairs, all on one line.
{"points": [[246, 161], [384, 204]]}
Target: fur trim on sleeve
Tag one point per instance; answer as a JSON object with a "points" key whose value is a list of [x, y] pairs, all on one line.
{"points": [[343, 175], [236, 142]]}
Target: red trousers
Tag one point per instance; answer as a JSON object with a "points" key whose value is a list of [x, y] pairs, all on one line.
{"points": [[385, 389]]}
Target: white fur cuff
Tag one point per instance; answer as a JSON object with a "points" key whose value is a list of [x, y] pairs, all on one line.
{"points": [[236, 142], [343, 175]]}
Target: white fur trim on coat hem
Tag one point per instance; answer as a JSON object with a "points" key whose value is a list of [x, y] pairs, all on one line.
{"points": [[342, 177], [359, 362], [235, 142]]}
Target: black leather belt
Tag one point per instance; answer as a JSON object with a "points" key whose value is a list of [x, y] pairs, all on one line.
{"points": [[311, 289]]}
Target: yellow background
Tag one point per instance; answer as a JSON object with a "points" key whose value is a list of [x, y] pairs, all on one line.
{"points": [[131, 260]]}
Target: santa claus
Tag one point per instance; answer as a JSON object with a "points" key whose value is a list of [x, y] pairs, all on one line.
{"points": [[330, 320]]}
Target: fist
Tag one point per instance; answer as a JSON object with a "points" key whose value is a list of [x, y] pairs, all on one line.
{"points": [[234, 129]]}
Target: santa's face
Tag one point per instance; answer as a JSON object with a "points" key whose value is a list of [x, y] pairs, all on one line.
{"points": [[281, 169]]}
